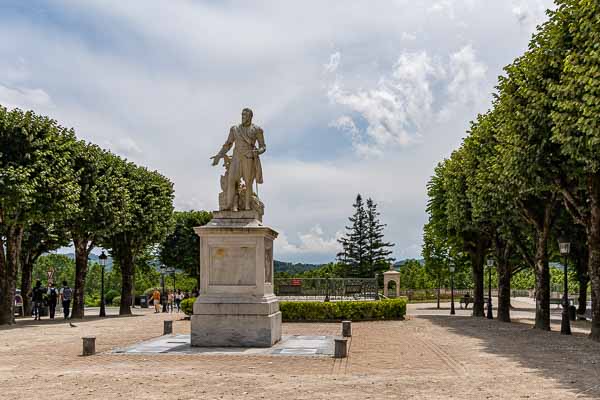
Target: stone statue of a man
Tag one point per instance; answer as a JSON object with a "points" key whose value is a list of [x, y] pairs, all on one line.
{"points": [[245, 162]]}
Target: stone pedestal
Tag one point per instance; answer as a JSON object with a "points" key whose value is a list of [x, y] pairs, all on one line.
{"points": [[236, 306]]}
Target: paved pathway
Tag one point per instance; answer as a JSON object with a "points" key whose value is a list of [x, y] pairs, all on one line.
{"points": [[424, 357]]}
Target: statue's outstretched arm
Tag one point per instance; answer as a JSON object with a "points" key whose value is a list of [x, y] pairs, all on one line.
{"points": [[225, 148]]}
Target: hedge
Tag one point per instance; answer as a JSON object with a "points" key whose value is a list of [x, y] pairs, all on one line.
{"points": [[187, 305], [116, 301], [338, 310]]}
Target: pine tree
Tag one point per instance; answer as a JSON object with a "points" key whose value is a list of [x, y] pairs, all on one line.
{"points": [[377, 251], [354, 242]]}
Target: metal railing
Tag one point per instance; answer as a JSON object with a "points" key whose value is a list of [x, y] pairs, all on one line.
{"points": [[326, 288]]}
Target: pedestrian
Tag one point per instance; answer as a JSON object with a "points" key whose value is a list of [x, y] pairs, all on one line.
{"points": [[37, 297], [178, 298], [170, 301], [52, 294], [66, 293], [156, 300]]}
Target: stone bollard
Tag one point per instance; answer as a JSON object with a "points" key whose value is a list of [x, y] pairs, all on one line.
{"points": [[341, 348], [346, 328], [168, 328], [89, 345]]}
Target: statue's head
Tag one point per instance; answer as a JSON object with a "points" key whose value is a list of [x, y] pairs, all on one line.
{"points": [[247, 116]]}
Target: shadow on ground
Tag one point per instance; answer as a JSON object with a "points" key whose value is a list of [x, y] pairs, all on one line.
{"points": [[28, 322], [573, 361]]}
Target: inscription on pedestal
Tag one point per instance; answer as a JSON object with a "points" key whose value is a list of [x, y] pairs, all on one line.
{"points": [[232, 266]]}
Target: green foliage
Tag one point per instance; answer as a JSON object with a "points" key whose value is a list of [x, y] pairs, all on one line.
{"points": [[36, 186], [364, 251], [181, 247], [116, 301], [63, 266], [338, 310], [147, 221], [110, 296], [331, 270], [187, 305]]}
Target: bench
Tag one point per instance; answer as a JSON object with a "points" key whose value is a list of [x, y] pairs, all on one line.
{"points": [[289, 290], [466, 300], [558, 302]]}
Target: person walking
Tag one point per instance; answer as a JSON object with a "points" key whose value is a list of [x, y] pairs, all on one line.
{"points": [[66, 293], [178, 298], [37, 297], [156, 300], [52, 294], [171, 301]]}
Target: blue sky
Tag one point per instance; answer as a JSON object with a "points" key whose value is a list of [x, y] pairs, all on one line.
{"points": [[353, 96]]}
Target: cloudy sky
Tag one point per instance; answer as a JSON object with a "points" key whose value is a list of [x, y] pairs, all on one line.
{"points": [[353, 96]]}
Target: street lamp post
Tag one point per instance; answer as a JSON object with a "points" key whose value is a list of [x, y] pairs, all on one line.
{"points": [[451, 268], [102, 257], [163, 271], [490, 264], [565, 324]]}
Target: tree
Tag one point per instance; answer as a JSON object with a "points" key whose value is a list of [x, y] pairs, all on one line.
{"points": [[529, 159], [354, 243], [148, 208], [577, 127], [181, 248], [36, 185], [469, 234], [102, 192], [377, 251]]}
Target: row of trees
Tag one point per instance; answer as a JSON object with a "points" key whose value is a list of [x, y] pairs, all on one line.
{"points": [[364, 253], [56, 190], [529, 169]]}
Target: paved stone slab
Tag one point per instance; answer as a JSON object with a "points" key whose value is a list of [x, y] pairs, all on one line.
{"points": [[291, 345]]}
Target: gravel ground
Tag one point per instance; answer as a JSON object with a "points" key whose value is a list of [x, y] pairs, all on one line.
{"points": [[428, 356]]}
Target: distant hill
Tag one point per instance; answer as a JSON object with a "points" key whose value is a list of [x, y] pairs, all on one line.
{"points": [[400, 263], [93, 258], [294, 268]]}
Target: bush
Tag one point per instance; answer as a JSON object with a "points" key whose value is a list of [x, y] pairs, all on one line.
{"points": [[338, 310], [110, 295], [187, 305], [116, 301], [91, 301]]}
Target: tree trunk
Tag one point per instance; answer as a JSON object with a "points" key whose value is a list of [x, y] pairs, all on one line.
{"points": [[127, 276], [477, 265], [593, 239], [542, 282], [9, 265], [81, 267], [504, 275], [26, 272], [583, 279]]}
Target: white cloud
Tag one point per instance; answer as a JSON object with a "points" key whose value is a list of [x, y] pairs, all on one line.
{"points": [[444, 7], [408, 36], [24, 98], [126, 147], [312, 242], [334, 62], [529, 13], [397, 108], [467, 80], [401, 106]]}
